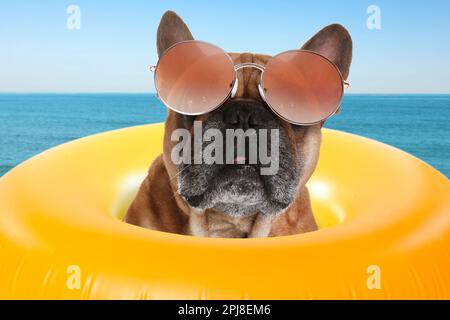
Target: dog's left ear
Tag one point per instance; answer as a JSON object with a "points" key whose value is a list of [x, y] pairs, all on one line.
{"points": [[335, 43], [171, 30]]}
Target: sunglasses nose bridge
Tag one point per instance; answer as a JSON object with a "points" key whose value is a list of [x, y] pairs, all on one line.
{"points": [[240, 66]]}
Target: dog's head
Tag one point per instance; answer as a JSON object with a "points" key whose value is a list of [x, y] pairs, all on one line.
{"points": [[241, 189]]}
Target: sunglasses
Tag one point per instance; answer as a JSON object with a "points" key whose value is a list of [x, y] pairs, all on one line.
{"points": [[302, 87]]}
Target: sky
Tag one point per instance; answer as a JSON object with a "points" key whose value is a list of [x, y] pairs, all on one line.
{"points": [[115, 44]]}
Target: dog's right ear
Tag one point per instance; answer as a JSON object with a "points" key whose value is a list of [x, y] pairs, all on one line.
{"points": [[171, 30], [335, 43]]}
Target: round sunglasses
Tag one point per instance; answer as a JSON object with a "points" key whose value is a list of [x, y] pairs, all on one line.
{"points": [[302, 87]]}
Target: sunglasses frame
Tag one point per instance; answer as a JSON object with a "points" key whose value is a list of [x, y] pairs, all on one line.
{"points": [[234, 85]]}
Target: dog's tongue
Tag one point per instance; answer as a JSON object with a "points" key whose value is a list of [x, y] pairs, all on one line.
{"points": [[240, 160]]}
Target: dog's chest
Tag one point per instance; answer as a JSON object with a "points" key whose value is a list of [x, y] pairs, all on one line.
{"points": [[218, 225]]}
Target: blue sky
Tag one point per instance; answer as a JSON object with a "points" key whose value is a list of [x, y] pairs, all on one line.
{"points": [[116, 42]]}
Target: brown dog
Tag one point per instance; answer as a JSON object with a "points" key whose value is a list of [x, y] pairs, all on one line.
{"points": [[219, 201]]}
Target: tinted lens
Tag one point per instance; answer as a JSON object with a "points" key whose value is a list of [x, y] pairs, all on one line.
{"points": [[302, 87], [194, 77]]}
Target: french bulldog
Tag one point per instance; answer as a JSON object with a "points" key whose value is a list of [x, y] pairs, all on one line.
{"points": [[227, 200]]}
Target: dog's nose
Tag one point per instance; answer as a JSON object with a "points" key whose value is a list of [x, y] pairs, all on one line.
{"points": [[243, 114]]}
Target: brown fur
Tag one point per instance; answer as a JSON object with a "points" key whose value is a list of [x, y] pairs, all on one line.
{"points": [[158, 206]]}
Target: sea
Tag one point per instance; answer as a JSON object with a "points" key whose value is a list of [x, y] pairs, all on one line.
{"points": [[32, 123]]}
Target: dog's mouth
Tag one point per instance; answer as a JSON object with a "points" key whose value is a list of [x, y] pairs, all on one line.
{"points": [[238, 160], [238, 179], [239, 188], [259, 176], [232, 190]]}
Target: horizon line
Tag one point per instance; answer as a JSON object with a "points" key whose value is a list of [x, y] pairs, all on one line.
{"points": [[154, 93]]}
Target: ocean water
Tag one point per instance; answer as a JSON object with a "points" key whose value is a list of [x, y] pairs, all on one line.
{"points": [[32, 123]]}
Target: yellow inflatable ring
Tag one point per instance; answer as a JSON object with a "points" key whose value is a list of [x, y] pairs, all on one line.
{"points": [[384, 218]]}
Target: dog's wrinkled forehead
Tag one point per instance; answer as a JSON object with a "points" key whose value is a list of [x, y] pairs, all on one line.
{"points": [[249, 78]]}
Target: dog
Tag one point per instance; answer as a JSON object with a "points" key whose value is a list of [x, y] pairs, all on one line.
{"points": [[217, 201]]}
